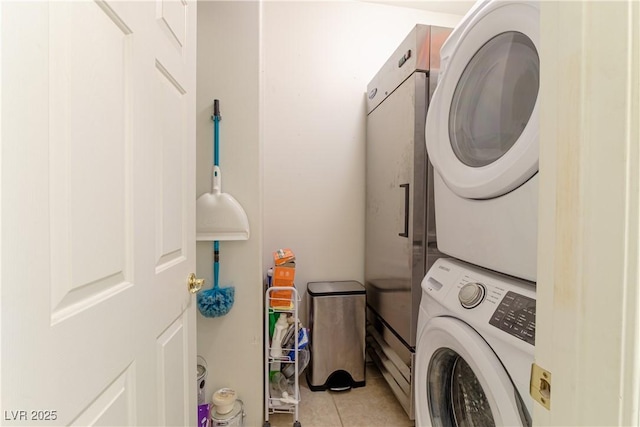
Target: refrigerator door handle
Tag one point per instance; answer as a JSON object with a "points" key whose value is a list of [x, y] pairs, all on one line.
{"points": [[406, 211]]}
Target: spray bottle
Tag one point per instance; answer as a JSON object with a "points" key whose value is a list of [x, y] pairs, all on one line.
{"points": [[276, 343]]}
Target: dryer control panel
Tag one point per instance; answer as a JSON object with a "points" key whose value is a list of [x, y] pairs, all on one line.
{"points": [[516, 315]]}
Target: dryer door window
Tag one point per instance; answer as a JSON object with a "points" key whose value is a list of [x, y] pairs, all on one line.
{"points": [[494, 99]]}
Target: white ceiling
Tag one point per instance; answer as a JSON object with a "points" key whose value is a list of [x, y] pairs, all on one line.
{"points": [[457, 7]]}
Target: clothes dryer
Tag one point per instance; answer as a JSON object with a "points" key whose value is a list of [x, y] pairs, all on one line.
{"points": [[482, 138], [475, 348]]}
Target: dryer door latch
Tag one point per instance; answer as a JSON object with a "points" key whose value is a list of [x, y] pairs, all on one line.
{"points": [[540, 386]]}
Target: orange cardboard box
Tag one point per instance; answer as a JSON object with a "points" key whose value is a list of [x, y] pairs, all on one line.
{"points": [[283, 256], [282, 298], [284, 276]]}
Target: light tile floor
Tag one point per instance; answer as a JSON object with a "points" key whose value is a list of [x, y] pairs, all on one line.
{"points": [[373, 405]]}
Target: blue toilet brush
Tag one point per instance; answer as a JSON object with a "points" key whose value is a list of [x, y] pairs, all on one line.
{"points": [[217, 301]]}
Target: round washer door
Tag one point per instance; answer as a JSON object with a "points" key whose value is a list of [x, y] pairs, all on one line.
{"points": [[460, 381], [482, 124]]}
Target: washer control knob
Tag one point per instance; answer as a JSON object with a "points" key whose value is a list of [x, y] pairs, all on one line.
{"points": [[471, 295]]}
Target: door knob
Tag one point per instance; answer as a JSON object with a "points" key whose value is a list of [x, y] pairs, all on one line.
{"points": [[194, 283]]}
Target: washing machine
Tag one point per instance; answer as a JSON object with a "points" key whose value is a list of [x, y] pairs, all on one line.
{"points": [[482, 138], [475, 347]]}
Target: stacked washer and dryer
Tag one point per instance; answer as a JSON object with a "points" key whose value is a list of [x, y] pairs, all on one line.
{"points": [[476, 323]]}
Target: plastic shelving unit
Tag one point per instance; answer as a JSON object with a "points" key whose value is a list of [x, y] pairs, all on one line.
{"points": [[275, 403]]}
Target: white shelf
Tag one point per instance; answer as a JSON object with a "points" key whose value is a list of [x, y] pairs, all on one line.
{"points": [[273, 399]]}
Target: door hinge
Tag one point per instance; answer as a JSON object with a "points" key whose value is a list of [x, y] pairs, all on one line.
{"points": [[540, 386]]}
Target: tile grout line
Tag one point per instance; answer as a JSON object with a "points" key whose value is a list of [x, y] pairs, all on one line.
{"points": [[335, 405]]}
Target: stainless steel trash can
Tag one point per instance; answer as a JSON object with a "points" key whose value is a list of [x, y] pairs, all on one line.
{"points": [[337, 335]]}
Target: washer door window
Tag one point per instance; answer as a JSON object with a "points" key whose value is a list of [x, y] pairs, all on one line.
{"points": [[461, 382], [482, 124], [456, 397]]}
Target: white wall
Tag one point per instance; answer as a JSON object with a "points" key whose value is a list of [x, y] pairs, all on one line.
{"points": [[228, 61], [318, 58]]}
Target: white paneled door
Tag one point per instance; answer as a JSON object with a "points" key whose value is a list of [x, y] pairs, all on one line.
{"points": [[97, 193]]}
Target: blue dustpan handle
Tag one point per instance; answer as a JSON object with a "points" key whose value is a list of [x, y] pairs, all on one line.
{"points": [[216, 263], [216, 132], [216, 141], [216, 162]]}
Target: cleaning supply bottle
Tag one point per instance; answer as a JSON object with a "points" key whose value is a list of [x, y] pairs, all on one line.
{"points": [[272, 313], [276, 343], [269, 277], [272, 321]]}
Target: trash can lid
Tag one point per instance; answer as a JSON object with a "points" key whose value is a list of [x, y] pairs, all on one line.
{"points": [[346, 287]]}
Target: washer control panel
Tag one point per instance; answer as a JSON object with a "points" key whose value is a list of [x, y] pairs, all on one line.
{"points": [[516, 315]]}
